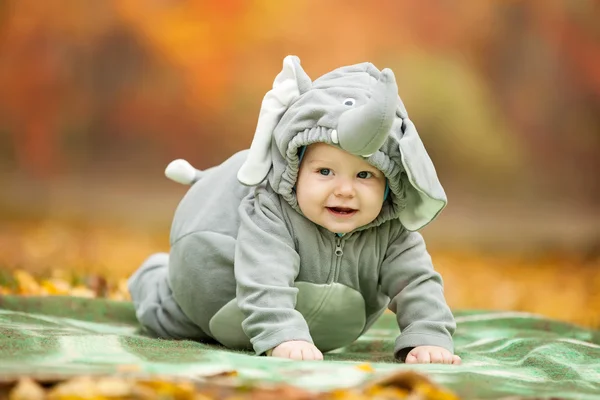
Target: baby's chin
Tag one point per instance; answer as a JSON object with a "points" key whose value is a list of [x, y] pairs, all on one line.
{"points": [[334, 228], [340, 228]]}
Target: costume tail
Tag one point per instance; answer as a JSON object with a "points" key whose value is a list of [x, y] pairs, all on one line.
{"points": [[182, 171]]}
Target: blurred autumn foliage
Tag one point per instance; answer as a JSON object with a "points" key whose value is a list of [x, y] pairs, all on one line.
{"points": [[98, 96], [410, 385], [496, 84]]}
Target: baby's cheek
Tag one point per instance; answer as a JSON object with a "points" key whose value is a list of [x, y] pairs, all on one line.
{"points": [[376, 188], [308, 206], [301, 203], [375, 209]]}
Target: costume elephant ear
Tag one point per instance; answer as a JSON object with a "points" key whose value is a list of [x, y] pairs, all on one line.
{"points": [[425, 196], [290, 83]]}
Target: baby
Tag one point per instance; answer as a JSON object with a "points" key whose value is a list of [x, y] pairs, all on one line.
{"points": [[296, 246]]}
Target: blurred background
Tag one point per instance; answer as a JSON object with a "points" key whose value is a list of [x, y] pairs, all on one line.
{"points": [[98, 96]]}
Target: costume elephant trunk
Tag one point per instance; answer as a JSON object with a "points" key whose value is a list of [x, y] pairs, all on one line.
{"points": [[363, 130]]}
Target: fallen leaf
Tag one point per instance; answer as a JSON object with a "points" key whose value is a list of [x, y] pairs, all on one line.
{"points": [[404, 383], [27, 389], [26, 283], [365, 367]]}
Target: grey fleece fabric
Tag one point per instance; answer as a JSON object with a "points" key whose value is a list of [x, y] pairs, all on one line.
{"points": [[247, 269]]}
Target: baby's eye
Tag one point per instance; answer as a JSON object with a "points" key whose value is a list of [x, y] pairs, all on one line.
{"points": [[364, 174], [325, 171]]}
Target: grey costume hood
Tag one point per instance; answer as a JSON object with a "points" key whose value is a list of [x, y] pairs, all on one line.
{"points": [[357, 108]]}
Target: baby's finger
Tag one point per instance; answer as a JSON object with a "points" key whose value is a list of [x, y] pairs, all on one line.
{"points": [[436, 357], [317, 354], [295, 354], [456, 360], [447, 357], [423, 357], [410, 359], [307, 353], [277, 352]]}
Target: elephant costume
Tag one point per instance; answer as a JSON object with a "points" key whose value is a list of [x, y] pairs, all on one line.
{"points": [[248, 270]]}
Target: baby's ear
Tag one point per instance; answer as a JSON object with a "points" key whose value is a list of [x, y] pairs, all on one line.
{"points": [[290, 83], [425, 196]]}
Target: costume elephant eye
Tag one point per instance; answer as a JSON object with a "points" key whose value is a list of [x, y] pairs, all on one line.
{"points": [[349, 102]]}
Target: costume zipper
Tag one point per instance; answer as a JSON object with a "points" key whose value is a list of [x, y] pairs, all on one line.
{"points": [[339, 252], [339, 247]]}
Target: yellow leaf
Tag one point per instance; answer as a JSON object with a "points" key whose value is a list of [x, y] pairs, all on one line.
{"points": [[26, 283], [26, 389], [56, 286], [366, 367]]}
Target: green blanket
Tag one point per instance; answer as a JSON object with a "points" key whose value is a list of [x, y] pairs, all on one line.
{"points": [[504, 353]]}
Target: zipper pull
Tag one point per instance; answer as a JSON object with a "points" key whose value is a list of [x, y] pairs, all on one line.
{"points": [[338, 248]]}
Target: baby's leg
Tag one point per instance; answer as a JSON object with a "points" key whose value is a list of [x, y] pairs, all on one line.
{"points": [[155, 307]]}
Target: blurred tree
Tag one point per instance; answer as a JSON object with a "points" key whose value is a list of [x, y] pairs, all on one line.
{"points": [[542, 67], [120, 81]]}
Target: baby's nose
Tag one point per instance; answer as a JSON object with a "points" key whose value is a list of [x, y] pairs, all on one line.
{"points": [[344, 187]]}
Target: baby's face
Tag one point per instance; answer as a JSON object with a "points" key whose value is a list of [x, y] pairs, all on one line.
{"points": [[337, 190]]}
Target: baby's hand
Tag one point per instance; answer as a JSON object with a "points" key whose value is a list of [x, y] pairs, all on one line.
{"points": [[431, 354], [297, 350]]}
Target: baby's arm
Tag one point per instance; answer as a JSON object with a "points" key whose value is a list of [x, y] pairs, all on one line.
{"points": [[266, 266], [417, 297]]}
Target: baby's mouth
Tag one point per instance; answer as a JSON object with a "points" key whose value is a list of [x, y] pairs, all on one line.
{"points": [[342, 211]]}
